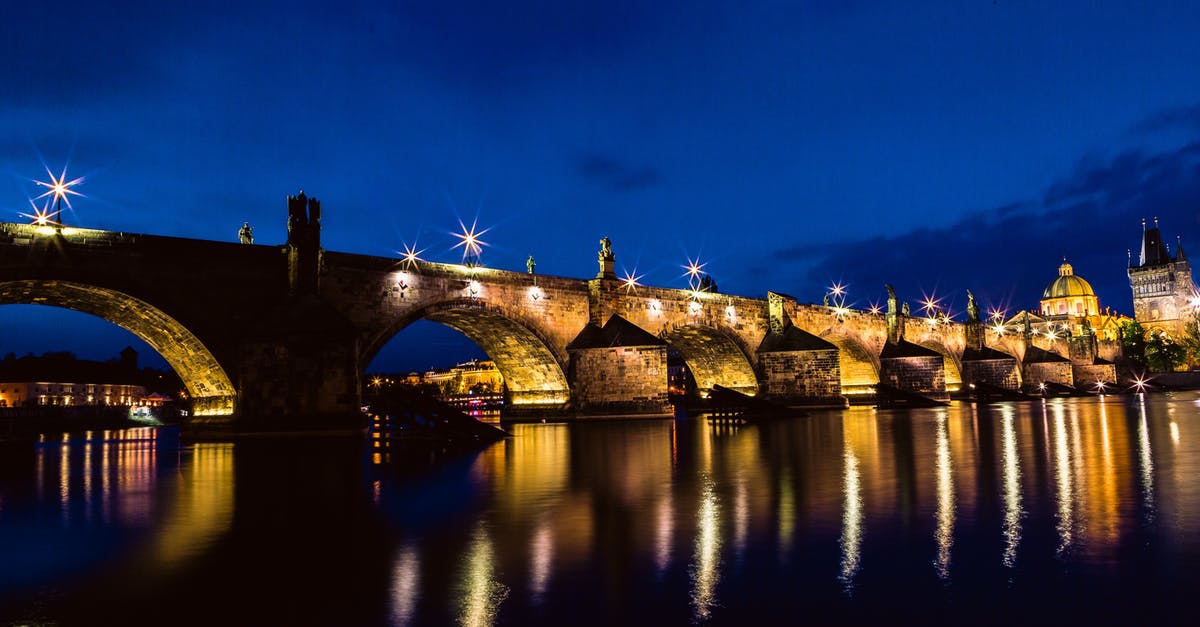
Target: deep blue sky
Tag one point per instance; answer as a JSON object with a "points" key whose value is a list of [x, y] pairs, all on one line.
{"points": [[938, 146]]}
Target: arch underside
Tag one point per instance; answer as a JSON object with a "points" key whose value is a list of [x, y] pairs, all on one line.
{"points": [[859, 368], [713, 359], [211, 391], [950, 365], [531, 373]]}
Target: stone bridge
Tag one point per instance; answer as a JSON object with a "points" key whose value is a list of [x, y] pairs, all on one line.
{"points": [[278, 336]]}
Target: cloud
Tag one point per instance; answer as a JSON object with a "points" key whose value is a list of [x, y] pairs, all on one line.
{"points": [[615, 175], [1008, 253], [1178, 118]]}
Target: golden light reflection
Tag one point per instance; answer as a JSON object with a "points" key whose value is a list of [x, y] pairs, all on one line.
{"points": [[481, 593], [705, 569], [1011, 478], [1175, 433], [945, 497], [852, 518], [202, 508], [406, 585], [1065, 483], [787, 513], [1146, 458], [741, 515]]}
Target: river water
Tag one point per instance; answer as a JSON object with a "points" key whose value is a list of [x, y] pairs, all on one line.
{"points": [[1069, 511]]}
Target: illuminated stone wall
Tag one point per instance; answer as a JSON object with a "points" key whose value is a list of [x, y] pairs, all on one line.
{"points": [[1004, 373], [802, 377], [1054, 372], [620, 380], [919, 374], [1088, 375]]}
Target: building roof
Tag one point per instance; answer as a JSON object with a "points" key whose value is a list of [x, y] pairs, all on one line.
{"points": [[1154, 251], [793, 339], [904, 348], [616, 332], [1067, 284]]}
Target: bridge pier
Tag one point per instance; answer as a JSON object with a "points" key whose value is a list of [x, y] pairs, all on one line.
{"points": [[989, 366], [618, 369], [799, 368], [914, 369]]}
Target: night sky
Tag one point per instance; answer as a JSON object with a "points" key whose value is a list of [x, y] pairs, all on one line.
{"points": [[937, 146]]}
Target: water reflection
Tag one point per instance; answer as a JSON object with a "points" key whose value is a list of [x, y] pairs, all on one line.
{"points": [[945, 497], [642, 522], [1064, 495], [541, 551], [1011, 472], [406, 585], [707, 552], [1146, 464], [482, 594], [852, 517]]}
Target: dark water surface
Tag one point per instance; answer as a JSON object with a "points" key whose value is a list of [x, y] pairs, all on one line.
{"points": [[1074, 511]]}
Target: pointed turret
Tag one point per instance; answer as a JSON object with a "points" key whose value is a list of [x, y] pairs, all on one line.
{"points": [[1154, 251], [1179, 256]]}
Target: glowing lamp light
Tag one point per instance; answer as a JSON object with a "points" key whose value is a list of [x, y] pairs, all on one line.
{"points": [[837, 289], [730, 313], [999, 329], [694, 308], [469, 241], [630, 280], [535, 293], [1100, 387], [876, 310], [473, 288], [655, 306]]}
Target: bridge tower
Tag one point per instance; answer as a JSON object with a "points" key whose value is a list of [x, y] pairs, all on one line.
{"points": [[1161, 283]]}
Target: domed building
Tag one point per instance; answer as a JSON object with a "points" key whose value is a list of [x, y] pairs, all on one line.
{"points": [[1070, 307], [1069, 294]]}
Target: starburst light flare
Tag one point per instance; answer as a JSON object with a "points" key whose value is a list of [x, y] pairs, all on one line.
{"points": [[59, 189], [469, 240], [630, 280], [837, 289], [410, 255], [694, 268], [41, 216], [930, 304]]}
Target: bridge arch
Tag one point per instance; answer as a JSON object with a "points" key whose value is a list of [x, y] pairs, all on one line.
{"points": [[210, 389], [951, 362], [858, 364], [533, 373], [713, 357]]}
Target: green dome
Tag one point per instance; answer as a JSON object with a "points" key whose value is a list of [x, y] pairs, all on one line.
{"points": [[1067, 284]]}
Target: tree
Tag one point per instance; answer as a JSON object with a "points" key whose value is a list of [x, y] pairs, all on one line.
{"points": [[1191, 338], [1133, 343], [1163, 354]]}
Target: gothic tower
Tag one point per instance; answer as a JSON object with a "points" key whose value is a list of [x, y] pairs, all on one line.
{"points": [[1162, 285]]}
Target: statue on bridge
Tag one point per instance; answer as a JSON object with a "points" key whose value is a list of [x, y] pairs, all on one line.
{"points": [[972, 308], [530, 265], [904, 310], [246, 234], [606, 253], [892, 301]]}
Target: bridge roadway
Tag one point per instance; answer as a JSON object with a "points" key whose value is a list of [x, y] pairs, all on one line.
{"points": [[278, 336]]}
